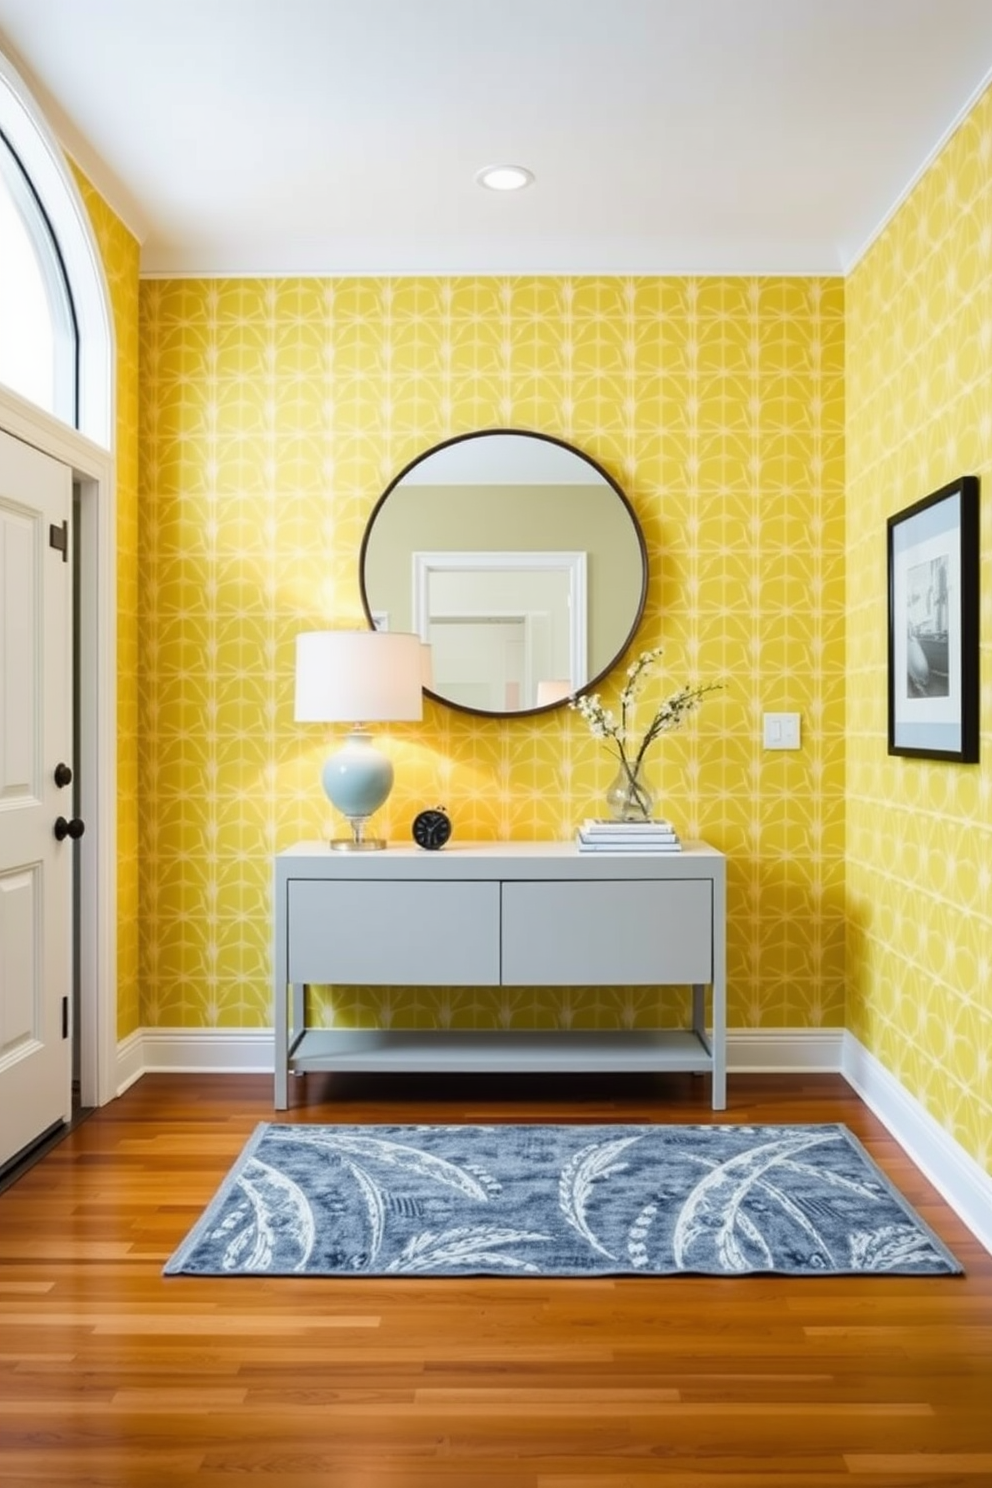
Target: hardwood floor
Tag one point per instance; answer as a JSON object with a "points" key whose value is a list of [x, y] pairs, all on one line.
{"points": [[112, 1375]]}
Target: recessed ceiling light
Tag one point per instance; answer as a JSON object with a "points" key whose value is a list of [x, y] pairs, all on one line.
{"points": [[504, 177]]}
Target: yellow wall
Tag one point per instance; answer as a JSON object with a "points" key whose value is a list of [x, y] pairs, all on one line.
{"points": [[120, 253], [919, 386], [274, 413]]}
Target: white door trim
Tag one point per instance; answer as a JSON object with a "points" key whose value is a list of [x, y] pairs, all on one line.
{"points": [[93, 467], [574, 564]]}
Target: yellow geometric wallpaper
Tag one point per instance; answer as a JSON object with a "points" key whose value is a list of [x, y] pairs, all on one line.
{"points": [[273, 413], [919, 393], [120, 253]]}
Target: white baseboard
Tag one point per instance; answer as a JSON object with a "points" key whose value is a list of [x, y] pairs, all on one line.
{"points": [[130, 1060], [758, 1051], [251, 1051], [955, 1175], [183, 1051]]}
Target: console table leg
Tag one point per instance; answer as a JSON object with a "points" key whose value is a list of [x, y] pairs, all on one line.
{"points": [[280, 1097], [720, 1045], [699, 1010], [719, 1081]]}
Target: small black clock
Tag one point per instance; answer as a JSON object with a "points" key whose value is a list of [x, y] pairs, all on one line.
{"points": [[432, 828]]}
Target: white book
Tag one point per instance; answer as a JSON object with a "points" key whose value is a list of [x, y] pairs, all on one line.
{"points": [[618, 850], [585, 846], [656, 836], [598, 826], [634, 835], [624, 842]]}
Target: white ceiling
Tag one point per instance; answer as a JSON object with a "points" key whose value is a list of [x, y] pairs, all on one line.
{"points": [[343, 136]]}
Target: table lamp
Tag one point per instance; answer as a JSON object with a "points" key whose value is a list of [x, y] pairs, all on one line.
{"points": [[358, 677]]}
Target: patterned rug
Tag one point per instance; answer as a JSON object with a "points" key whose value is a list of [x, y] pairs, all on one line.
{"points": [[557, 1201]]}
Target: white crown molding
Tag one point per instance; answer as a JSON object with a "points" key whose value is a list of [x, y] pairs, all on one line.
{"points": [[919, 173], [313, 269], [955, 1175]]}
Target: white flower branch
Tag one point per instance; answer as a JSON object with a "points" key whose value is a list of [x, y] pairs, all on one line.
{"points": [[670, 715]]}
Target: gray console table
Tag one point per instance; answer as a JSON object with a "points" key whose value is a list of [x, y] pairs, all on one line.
{"points": [[512, 914]]}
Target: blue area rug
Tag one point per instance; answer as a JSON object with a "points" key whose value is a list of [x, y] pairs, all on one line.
{"points": [[557, 1201]]}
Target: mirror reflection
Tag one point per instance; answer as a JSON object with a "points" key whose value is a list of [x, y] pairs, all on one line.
{"points": [[519, 560]]}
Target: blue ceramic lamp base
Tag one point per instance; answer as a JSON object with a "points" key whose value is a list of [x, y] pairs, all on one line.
{"points": [[357, 781]]}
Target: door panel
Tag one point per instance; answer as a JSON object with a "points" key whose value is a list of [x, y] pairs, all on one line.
{"points": [[21, 1008], [19, 678], [35, 734]]}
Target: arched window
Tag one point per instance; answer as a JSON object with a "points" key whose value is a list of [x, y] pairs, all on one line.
{"points": [[56, 338], [38, 339]]}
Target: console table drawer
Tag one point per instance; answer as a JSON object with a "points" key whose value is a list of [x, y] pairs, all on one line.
{"points": [[394, 933], [601, 933]]}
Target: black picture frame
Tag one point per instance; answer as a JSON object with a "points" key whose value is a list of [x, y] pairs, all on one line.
{"points": [[933, 572]]}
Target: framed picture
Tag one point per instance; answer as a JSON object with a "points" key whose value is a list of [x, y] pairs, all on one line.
{"points": [[933, 625]]}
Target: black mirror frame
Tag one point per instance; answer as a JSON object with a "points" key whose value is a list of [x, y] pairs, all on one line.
{"points": [[618, 492]]}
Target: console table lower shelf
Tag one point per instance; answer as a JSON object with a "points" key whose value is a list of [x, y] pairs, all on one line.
{"points": [[414, 1051]]}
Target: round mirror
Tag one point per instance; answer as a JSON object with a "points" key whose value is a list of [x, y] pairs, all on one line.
{"points": [[517, 558]]}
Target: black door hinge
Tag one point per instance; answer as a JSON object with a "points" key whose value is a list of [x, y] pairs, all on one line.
{"points": [[65, 1017], [58, 537]]}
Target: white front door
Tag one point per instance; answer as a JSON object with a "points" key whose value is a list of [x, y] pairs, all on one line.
{"points": [[35, 737]]}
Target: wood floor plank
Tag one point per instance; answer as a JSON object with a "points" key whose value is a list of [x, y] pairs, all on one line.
{"points": [[912, 1466], [114, 1376]]}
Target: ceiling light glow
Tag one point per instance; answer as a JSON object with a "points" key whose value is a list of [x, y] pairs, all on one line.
{"points": [[504, 177]]}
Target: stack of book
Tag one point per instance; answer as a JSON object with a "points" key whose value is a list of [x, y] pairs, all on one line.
{"points": [[600, 835]]}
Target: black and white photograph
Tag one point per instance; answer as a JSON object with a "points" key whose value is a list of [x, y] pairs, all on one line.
{"points": [[927, 633]]}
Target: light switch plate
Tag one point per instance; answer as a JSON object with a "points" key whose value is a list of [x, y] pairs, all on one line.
{"points": [[781, 730]]}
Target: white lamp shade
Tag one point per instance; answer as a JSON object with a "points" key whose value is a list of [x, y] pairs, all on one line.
{"points": [[552, 690], [358, 676]]}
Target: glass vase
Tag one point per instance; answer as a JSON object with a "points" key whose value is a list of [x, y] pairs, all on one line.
{"points": [[630, 798]]}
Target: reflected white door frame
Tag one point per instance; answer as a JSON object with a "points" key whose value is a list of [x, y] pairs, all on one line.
{"points": [[572, 564]]}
